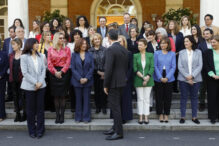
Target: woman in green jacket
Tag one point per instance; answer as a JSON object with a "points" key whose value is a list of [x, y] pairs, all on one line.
{"points": [[143, 64]]}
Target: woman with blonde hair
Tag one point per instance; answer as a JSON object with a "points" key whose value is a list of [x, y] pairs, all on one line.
{"points": [[59, 59], [126, 104], [185, 26], [45, 44], [98, 52]]}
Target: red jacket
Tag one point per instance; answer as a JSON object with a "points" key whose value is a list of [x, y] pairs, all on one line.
{"points": [[11, 58]]}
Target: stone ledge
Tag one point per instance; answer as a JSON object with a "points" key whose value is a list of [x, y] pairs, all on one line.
{"points": [[104, 124]]}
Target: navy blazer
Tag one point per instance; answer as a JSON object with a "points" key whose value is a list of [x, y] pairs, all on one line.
{"points": [[82, 71], [4, 63], [6, 45], [202, 46], [179, 41], [99, 31]]}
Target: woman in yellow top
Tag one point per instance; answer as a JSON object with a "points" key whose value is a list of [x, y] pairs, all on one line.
{"points": [[44, 45]]}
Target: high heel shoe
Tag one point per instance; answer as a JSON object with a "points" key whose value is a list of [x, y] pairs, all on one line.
{"points": [[140, 122]]}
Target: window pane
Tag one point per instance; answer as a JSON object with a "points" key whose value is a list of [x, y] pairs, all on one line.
{"points": [[1, 22]]}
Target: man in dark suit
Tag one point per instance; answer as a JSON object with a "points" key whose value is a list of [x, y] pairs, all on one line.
{"points": [[7, 42], [8, 49], [203, 46], [116, 67], [102, 30], [124, 29]]}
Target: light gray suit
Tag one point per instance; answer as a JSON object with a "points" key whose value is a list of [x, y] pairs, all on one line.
{"points": [[122, 30], [196, 65], [30, 75]]}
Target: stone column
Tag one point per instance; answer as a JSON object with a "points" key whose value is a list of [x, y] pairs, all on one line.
{"points": [[18, 9], [209, 7]]}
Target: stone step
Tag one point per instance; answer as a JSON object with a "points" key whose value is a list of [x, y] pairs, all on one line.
{"points": [[174, 114], [105, 124], [175, 104]]}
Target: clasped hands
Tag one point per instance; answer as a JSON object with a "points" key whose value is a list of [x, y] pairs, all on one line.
{"points": [[38, 86], [190, 79], [58, 74]]}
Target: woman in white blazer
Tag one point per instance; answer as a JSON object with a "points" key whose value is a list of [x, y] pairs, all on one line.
{"points": [[33, 83]]}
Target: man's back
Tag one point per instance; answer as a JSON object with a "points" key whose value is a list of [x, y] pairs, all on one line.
{"points": [[116, 66]]}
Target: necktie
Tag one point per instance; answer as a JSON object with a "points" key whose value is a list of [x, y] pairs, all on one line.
{"points": [[127, 28]]}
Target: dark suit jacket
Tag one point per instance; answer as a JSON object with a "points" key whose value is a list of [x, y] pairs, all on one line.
{"points": [[209, 61], [99, 31], [132, 47], [3, 63], [179, 42], [11, 59], [116, 66], [150, 48], [122, 30], [202, 46], [82, 71], [6, 45]]}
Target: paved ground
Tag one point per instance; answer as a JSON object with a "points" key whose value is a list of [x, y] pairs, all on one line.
{"points": [[132, 138]]}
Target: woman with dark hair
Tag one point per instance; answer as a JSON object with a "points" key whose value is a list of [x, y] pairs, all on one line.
{"points": [[33, 83], [68, 26], [144, 25], [211, 61], [143, 67], [15, 77], [18, 22], [164, 66], [152, 44], [82, 67], [54, 24], [36, 29], [132, 41], [135, 22], [74, 37], [3, 73], [43, 27], [160, 25], [82, 25], [197, 34], [189, 77], [59, 59], [177, 36]]}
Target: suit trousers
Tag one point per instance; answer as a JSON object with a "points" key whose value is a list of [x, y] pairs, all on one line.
{"points": [[18, 96], [163, 92], [203, 89], [35, 111], [143, 100], [213, 98], [83, 109], [189, 90], [114, 99], [2, 98]]}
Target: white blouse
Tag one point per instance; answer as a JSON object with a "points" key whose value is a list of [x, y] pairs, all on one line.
{"points": [[186, 31], [84, 33], [35, 62], [190, 54]]}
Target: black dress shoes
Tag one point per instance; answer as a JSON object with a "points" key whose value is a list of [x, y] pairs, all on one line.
{"points": [[213, 121], [196, 121], [109, 132], [115, 136], [98, 110], [39, 136], [32, 135], [182, 121], [146, 122], [140, 122]]}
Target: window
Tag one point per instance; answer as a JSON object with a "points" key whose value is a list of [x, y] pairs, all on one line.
{"points": [[113, 10]]}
